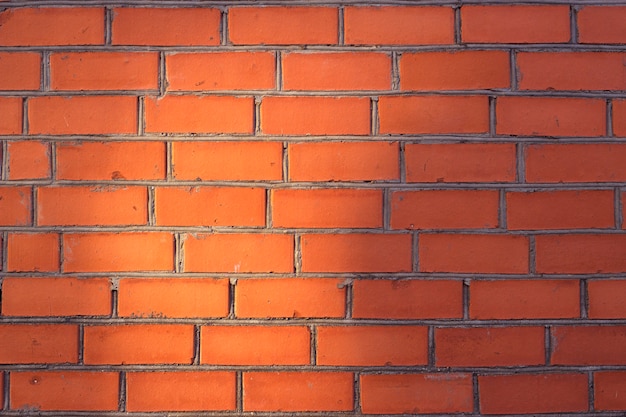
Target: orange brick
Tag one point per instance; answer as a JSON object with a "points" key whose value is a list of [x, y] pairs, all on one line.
{"points": [[489, 346], [336, 71], [56, 297], [356, 253], [433, 114], [196, 114], [343, 161], [490, 254], [38, 343], [104, 71], [180, 391], [410, 393], [319, 208], [515, 24], [533, 393], [210, 206], [64, 390], [92, 205], [19, 70], [12, 114], [524, 299], [550, 116], [47, 26], [30, 252], [298, 391], [177, 297], [581, 254], [298, 25], [110, 252], [406, 299], [372, 345], [242, 252], [399, 25], [460, 162], [110, 161], [221, 71], [229, 161], [560, 210], [588, 345], [444, 209], [264, 345], [28, 160], [606, 299], [165, 26], [456, 70], [56, 115], [609, 390], [138, 344], [315, 115], [601, 24], [289, 298], [619, 118], [15, 206]]}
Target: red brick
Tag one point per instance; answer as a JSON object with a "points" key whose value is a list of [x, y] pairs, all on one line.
{"points": [[571, 71], [336, 71], [56, 115], [372, 345], [619, 118], [92, 205], [12, 114], [589, 345], [138, 344], [560, 210], [489, 346], [104, 71], [165, 26], [298, 391], [56, 297], [433, 114], [444, 209], [298, 25], [399, 25], [38, 343], [289, 298], [229, 161], [488, 254], [221, 71], [320, 208], [64, 390], [550, 116], [609, 390], [315, 115], [532, 393], [19, 70], [180, 391], [601, 24], [515, 24], [241, 252], [28, 160], [606, 299], [33, 252], [112, 252], [460, 162], [173, 297], [416, 393], [197, 114], [264, 345], [581, 254], [210, 206], [15, 206], [524, 299], [456, 70], [406, 299], [356, 253], [343, 161], [110, 161], [48, 26]]}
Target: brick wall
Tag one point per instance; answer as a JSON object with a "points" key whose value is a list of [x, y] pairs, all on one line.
{"points": [[220, 208]]}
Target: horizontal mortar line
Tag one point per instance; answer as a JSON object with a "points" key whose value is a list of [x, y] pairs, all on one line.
{"points": [[247, 413]]}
